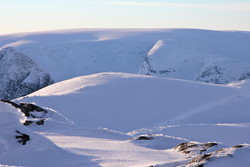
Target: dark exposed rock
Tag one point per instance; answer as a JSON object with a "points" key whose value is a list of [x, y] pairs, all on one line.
{"points": [[239, 146], [20, 75], [152, 71], [12, 103], [28, 122], [143, 138], [22, 138], [189, 147], [201, 160], [183, 147], [27, 108], [40, 122], [166, 71], [210, 144], [245, 75], [212, 74]]}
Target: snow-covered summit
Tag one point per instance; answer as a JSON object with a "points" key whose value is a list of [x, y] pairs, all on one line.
{"points": [[208, 56], [19, 74], [203, 55]]}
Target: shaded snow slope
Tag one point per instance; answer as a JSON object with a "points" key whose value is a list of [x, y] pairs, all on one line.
{"points": [[20, 146], [127, 101], [203, 55], [19, 75]]}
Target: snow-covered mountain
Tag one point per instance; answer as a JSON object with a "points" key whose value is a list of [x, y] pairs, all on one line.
{"points": [[199, 55], [213, 57], [20, 75], [136, 120], [145, 108], [192, 54]]}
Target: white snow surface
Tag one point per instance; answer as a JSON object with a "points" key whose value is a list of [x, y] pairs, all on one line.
{"points": [[193, 54], [38, 151], [109, 111], [95, 120], [126, 102]]}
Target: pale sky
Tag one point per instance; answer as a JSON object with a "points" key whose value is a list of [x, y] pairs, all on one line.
{"points": [[39, 15]]}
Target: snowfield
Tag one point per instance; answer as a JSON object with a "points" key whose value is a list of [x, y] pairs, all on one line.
{"points": [[123, 119], [137, 101], [137, 98]]}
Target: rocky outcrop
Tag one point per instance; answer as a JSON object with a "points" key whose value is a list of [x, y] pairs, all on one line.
{"points": [[33, 113], [201, 154], [203, 159], [143, 137], [212, 74], [22, 138], [194, 147], [20, 75]]}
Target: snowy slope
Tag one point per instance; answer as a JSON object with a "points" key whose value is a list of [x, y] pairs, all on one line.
{"points": [[204, 55], [127, 101], [119, 119], [159, 114], [36, 151], [170, 122], [207, 56]]}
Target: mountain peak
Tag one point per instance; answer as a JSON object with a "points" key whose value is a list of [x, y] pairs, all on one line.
{"points": [[19, 74]]}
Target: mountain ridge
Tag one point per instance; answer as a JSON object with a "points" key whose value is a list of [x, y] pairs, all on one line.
{"points": [[20, 75]]}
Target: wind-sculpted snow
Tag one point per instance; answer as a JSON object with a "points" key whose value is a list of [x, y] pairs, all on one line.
{"points": [[19, 75], [201, 55]]}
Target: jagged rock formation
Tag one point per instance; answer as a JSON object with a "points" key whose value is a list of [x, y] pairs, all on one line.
{"points": [[19, 74], [206, 159]]}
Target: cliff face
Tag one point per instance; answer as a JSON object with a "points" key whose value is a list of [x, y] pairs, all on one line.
{"points": [[19, 74]]}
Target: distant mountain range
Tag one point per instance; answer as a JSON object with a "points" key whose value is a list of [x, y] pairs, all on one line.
{"points": [[30, 61]]}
